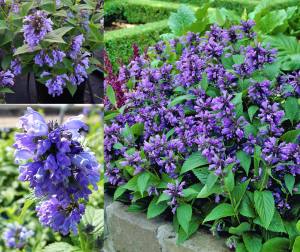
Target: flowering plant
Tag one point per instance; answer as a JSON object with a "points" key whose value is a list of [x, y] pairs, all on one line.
{"points": [[207, 131], [52, 39], [58, 168]]}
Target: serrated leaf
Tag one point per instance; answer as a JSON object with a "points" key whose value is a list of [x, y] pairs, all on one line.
{"points": [[56, 36], [184, 216], [180, 99], [180, 20], [265, 206], [110, 93], [142, 181], [291, 108], [193, 161], [290, 136], [251, 111], [277, 244], [289, 181], [60, 247], [156, 209], [245, 160], [94, 218], [252, 242], [220, 211], [240, 229], [118, 193]]}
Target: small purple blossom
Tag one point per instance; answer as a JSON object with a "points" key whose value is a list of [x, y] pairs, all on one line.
{"points": [[16, 236], [36, 26]]}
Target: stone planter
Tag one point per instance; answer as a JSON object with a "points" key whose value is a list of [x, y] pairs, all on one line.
{"points": [[133, 232]]}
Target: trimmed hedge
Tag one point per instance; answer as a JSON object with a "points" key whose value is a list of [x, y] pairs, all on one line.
{"points": [[118, 43], [138, 12]]}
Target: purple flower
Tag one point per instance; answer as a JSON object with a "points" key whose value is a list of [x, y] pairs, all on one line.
{"points": [[80, 70], [271, 115], [16, 66], [61, 216], [56, 84], [16, 236], [76, 46], [6, 78], [43, 58], [174, 191], [246, 27], [58, 168], [260, 91], [36, 26]]}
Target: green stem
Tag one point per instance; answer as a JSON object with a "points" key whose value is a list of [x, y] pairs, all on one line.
{"points": [[84, 246]]}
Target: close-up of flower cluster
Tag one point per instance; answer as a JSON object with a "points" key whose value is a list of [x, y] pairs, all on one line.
{"points": [[60, 170], [55, 41], [206, 129]]}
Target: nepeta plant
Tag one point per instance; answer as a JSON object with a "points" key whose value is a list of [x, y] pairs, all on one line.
{"points": [[54, 40], [209, 133], [59, 169], [16, 236]]}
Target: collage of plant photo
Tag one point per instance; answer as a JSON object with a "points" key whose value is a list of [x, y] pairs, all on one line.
{"points": [[150, 125]]}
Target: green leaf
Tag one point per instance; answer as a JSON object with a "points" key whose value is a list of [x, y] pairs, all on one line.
{"points": [[241, 248], [118, 193], [142, 181], [296, 246], [94, 218], [184, 216], [180, 99], [240, 229], [26, 49], [298, 226], [238, 193], [290, 136], [71, 88], [220, 211], [229, 181], [291, 108], [23, 213], [238, 59], [137, 129], [251, 111], [289, 181], [246, 208], [252, 242], [277, 244], [204, 82], [156, 209], [110, 93], [60, 247], [180, 20], [56, 36], [209, 187], [276, 224], [6, 90], [245, 160], [163, 197], [194, 160], [265, 207]]}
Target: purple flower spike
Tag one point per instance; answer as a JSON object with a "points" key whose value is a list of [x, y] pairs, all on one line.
{"points": [[36, 26]]}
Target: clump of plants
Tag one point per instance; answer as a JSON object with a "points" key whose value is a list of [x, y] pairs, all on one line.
{"points": [[51, 39], [207, 132]]}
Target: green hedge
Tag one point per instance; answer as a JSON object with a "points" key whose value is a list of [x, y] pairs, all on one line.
{"points": [[118, 43], [138, 12]]}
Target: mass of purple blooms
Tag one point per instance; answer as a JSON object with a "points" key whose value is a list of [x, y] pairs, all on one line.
{"points": [[192, 94], [36, 26], [59, 169], [16, 236]]}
